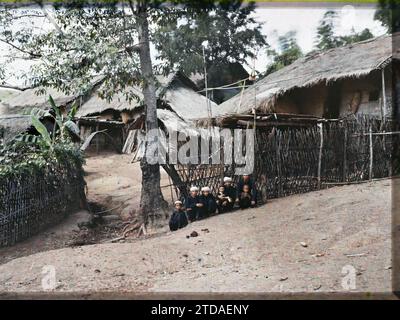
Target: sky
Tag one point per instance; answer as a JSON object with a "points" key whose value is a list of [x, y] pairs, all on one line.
{"points": [[277, 21], [304, 20]]}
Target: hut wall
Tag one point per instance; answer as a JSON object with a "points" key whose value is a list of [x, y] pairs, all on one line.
{"points": [[364, 95], [355, 95], [286, 105], [107, 115], [126, 116], [308, 100]]}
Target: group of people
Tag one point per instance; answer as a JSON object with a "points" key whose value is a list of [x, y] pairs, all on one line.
{"points": [[201, 205]]}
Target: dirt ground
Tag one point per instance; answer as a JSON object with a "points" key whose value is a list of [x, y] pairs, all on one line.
{"points": [[115, 183], [301, 243]]}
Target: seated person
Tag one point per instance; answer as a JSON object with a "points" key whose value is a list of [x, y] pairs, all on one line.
{"points": [[245, 198], [210, 205], [246, 180], [230, 191], [222, 199], [178, 219], [194, 205]]}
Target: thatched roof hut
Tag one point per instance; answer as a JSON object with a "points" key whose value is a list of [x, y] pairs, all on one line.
{"points": [[178, 104], [176, 92], [320, 68], [12, 125], [22, 102]]}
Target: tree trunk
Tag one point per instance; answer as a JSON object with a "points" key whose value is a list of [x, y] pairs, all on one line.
{"points": [[152, 204]]}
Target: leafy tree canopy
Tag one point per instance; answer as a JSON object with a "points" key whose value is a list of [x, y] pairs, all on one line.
{"points": [[327, 38], [288, 52], [388, 13], [227, 32]]}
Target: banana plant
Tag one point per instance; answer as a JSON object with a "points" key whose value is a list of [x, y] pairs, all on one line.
{"points": [[62, 125]]}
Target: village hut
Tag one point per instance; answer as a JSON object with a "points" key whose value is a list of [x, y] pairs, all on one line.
{"points": [[179, 104], [22, 102], [332, 84], [12, 125]]}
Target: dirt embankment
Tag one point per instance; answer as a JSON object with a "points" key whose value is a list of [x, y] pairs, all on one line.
{"points": [[301, 243], [115, 183]]}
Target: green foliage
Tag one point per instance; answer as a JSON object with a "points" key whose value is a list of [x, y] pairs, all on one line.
{"points": [[27, 153], [228, 29], [289, 51], [24, 157], [388, 13], [327, 39]]}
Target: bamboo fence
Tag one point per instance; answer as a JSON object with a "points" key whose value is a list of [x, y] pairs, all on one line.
{"points": [[31, 202], [291, 160]]}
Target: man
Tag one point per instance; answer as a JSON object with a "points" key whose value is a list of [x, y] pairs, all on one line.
{"points": [[178, 219], [230, 191], [246, 180], [194, 205], [210, 205]]}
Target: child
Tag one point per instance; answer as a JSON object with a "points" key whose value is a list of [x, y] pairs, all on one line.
{"points": [[178, 219], [230, 191], [223, 200], [210, 205], [194, 205], [247, 180], [245, 197]]}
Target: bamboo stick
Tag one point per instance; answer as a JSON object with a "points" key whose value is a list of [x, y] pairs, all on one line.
{"points": [[321, 145], [371, 154], [384, 95]]}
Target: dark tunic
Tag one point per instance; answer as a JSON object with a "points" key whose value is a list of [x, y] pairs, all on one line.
{"points": [[178, 220], [230, 192], [244, 200], [210, 204], [252, 188], [195, 213]]}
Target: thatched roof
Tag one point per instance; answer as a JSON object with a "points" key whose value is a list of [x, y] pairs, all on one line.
{"points": [[13, 124], [24, 101], [351, 61], [176, 90]]}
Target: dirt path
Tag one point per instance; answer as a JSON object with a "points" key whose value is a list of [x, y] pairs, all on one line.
{"points": [[256, 250], [115, 183]]}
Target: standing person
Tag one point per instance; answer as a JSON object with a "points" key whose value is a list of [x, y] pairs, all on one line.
{"points": [[210, 204], [247, 180], [230, 191], [194, 206], [178, 219]]}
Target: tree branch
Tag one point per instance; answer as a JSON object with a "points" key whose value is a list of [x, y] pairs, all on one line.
{"points": [[32, 54], [9, 86], [49, 17]]}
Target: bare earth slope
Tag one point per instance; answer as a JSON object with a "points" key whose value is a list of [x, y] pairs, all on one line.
{"points": [[299, 243]]}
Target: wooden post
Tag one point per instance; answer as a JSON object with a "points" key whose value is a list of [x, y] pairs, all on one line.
{"points": [[321, 145], [345, 155], [384, 95], [371, 154], [97, 140], [278, 163]]}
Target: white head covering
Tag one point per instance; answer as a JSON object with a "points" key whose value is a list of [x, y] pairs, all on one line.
{"points": [[227, 179], [194, 189], [204, 189], [178, 202]]}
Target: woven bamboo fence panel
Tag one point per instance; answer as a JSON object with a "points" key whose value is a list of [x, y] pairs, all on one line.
{"points": [[31, 202], [291, 160]]}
